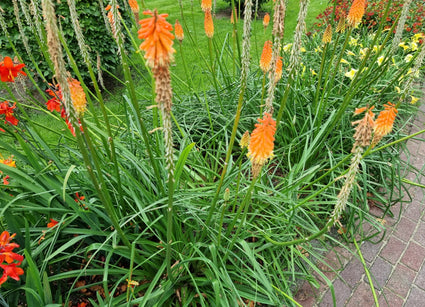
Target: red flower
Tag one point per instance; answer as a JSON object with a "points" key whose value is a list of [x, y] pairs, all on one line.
{"points": [[52, 223], [8, 111], [9, 71], [79, 197], [5, 182], [53, 105], [10, 270]]}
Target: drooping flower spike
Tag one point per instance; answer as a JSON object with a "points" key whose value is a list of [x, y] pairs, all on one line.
{"points": [[9, 71], [158, 39]]}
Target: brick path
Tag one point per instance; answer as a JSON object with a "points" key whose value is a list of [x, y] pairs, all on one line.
{"points": [[396, 263]]}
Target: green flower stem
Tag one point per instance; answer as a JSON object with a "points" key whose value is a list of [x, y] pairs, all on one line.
{"points": [[169, 222], [319, 78], [244, 206], [210, 48], [263, 90], [369, 278]]}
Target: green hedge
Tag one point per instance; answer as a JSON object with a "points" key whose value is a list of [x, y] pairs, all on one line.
{"points": [[96, 34]]}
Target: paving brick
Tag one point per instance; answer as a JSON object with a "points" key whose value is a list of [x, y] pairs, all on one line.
{"points": [[413, 256], [416, 298], [393, 250], [401, 280], [306, 295], [370, 250], [379, 271], [361, 297], [419, 236], [414, 209], [390, 299], [342, 293], [404, 229], [352, 273], [420, 278]]}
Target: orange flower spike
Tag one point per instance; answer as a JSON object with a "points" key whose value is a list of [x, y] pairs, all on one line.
{"points": [[384, 123], [261, 143], [278, 73], [134, 6], [266, 56], [158, 39], [266, 20], [78, 96], [178, 31], [356, 13], [206, 5], [209, 24], [9, 71], [232, 19], [52, 223]]}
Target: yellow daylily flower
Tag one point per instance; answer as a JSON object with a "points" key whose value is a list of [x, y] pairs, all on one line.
{"points": [[414, 100], [287, 47], [408, 58], [380, 60], [350, 74], [404, 46]]}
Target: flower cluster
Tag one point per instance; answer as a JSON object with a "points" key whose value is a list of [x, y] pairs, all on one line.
{"points": [[7, 110], [9, 261], [374, 13], [9, 71], [9, 162]]}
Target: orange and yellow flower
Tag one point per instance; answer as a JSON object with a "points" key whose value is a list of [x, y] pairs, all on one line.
{"points": [[356, 13], [78, 96], [178, 31], [134, 6], [278, 72], [9, 71], [266, 57], [156, 32], [261, 143], [266, 20], [327, 35], [209, 24], [206, 5], [384, 123]]}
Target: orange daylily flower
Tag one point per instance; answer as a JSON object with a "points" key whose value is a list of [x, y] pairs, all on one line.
{"points": [[266, 56], [9, 71], [356, 12], [158, 39]]}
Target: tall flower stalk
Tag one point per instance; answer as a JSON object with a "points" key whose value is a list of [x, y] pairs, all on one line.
{"points": [[158, 42], [243, 82]]}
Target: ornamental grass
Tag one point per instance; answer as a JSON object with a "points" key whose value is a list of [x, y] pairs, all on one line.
{"points": [[216, 173]]}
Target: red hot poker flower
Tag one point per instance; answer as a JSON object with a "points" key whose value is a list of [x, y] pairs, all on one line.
{"points": [[9, 71], [156, 32]]}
